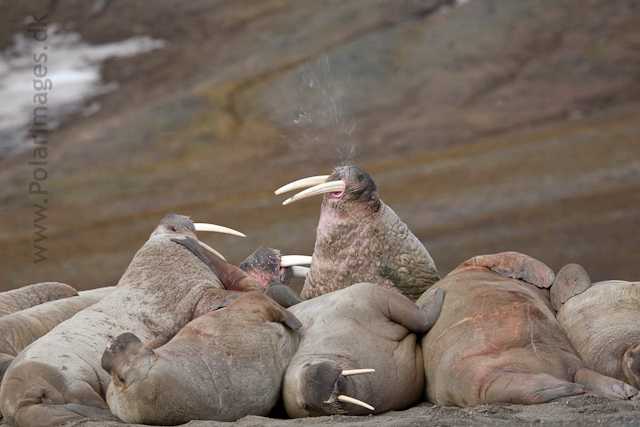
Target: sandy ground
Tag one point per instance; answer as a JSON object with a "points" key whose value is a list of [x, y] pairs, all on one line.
{"points": [[579, 411]]}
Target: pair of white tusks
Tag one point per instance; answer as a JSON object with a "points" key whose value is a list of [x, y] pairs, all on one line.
{"points": [[201, 226], [318, 185], [349, 399], [296, 261]]}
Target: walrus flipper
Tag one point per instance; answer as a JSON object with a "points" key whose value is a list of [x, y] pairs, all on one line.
{"points": [[570, 281], [232, 278], [608, 387], [401, 310], [283, 294], [513, 265], [528, 389]]}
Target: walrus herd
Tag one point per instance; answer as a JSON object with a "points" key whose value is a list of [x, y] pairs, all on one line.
{"points": [[185, 336]]}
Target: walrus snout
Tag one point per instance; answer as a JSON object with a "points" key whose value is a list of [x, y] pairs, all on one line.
{"points": [[326, 388]]}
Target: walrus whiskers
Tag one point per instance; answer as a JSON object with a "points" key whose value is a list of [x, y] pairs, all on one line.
{"points": [[347, 399], [327, 187], [302, 183]]}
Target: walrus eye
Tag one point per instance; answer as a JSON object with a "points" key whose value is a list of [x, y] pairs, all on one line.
{"points": [[173, 229], [120, 378], [306, 406]]}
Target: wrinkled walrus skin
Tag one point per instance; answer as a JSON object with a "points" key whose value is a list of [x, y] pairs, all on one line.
{"points": [[222, 366], [59, 378], [603, 325], [363, 326], [497, 339], [360, 239], [20, 329], [32, 295]]}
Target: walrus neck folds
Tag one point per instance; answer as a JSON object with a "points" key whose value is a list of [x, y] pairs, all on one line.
{"points": [[364, 247]]}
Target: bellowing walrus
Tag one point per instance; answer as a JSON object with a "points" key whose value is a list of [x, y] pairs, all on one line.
{"points": [[602, 321], [360, 239], [59, 379], [497, 339], [222, 366], [32, 295], [357, 330], [18, 330]]}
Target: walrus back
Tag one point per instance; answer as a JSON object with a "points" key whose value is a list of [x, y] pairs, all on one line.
{"points": [[491, 324]]}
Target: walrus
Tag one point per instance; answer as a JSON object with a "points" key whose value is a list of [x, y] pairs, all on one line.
{"points": [[601, 321], [360, 239], [18, 330], [272, 272], [498, 340], [32, 295], [59, 379], [222, 366], [362, 329]]}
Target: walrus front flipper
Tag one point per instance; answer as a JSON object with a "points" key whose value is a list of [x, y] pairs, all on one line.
{"points": [[528, 389], [402, 310], [513, 265], [232, 278], [571, 280], [283, 294], [606, 386]]}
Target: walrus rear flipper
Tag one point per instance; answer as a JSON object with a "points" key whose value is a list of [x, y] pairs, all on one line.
{"points": [[232, 278], [283, 294], [608, 387], [402, 310], [571, 280], [41, 415], [528, 389], [513, 265]]}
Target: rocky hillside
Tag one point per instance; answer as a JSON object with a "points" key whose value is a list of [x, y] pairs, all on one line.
{"points": [[488, 125]]}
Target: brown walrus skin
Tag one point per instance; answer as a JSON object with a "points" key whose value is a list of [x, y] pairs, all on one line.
{"points": [[602, 321], [18, 330], [32, 295], [363, 326], [222, 366], [360, 239], [497, 339], [59, 379]]}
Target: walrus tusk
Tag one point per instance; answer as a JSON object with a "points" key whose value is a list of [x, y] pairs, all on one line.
{"points": [[348, 372], [302, 183], [291, 260], [300, 271], [347, 399], [327, 187], [210, 249], [201, 226]]}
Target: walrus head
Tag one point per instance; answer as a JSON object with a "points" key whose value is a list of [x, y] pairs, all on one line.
{"points": [[325, 388], [631, 366], [360, 239], [127, 359], [175, 226]]}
